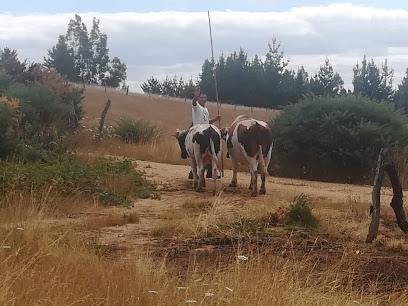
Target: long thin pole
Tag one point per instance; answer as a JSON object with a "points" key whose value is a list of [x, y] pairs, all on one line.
{"points": [[216, 86], [212, 58]]}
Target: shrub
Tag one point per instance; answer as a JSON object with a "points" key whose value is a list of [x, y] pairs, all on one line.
{"points": [[137, 131], [300, 213], [335, 139], [68, 174]]}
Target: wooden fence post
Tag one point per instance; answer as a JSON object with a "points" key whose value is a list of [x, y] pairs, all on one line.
{"points": [[396, 202], [375, 207], [102, 120], [397, 198]]}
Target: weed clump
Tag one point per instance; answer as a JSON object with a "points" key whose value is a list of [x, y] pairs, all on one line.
{"points": [[300, 213], [137, 131]]}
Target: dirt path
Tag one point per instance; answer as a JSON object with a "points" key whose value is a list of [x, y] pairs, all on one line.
{"points": [[175, 176], [176, 188]]}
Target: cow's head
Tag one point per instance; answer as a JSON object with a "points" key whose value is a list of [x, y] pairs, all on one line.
{"points": [[181, 138]]}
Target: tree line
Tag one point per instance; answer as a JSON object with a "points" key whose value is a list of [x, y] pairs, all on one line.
{"points": [[270, 83], [83, 56]]}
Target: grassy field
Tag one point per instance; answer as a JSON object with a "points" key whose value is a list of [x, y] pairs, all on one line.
{"points": [[167, 113], [186, 248]]}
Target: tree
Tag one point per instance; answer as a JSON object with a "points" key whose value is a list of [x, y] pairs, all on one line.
{"points": [[61, 58], [10, 63], [78, 41], [401, 96], [100, 53], [207, 80], [302, 83], [386, 92], [326, 82], [89, 53], [277, 77], [188, 91], [152, 85], [117, 73]]}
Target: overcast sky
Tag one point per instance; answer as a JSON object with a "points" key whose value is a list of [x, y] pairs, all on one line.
{"points": [[159, 38]]}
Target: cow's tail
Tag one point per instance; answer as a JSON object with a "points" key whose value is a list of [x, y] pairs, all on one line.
{"points": [[261, 161], [213, 154]]}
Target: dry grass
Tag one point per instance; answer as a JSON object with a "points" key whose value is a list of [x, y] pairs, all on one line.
{"points": [[61, 268], [168, 115], [57, 265]]}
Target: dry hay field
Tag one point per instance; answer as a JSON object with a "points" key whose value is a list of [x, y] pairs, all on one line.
{"points": [[189, 248]]}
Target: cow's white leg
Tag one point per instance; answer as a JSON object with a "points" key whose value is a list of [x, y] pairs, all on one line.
{"points": [[194, 170], [200, 168], [253, 168], [234, 173], [267, 159]]}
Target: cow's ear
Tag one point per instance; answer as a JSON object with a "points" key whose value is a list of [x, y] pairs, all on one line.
{"points": [[177, 134], [224, 132]]}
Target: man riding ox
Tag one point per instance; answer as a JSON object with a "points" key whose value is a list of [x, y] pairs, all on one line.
{"points": [[201, 144], [249, 142]]}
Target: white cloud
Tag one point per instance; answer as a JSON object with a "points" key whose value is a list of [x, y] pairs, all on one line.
{"points": [[168, 43]]}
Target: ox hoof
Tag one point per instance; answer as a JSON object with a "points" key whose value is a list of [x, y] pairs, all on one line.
{"points": [[199, 189], [250, 187], [233, 184], [204, 185], [254, 194], [262, 191]]}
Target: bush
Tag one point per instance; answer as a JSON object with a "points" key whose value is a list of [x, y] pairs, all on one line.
{"points": [[137, 131], [335, 139], [300, 213], [111, 182]]}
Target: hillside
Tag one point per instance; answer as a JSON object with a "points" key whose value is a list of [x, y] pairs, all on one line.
{"points": [[167, 113]]}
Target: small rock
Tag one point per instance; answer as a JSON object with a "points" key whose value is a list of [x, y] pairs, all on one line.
{"points": [[303, 235]]}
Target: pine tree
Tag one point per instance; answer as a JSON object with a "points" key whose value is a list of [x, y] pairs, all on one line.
{"points": [[401, 96], [152, 86], [60, 58], [386, 92], [301, 85], [277, 77], [17, 69], [207, 80], [188, 91], [369, 82], [117, 73], [326, 82]]}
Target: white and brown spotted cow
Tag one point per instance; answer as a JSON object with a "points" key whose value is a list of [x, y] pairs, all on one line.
{"points": [[201, 144], [249, 142]]}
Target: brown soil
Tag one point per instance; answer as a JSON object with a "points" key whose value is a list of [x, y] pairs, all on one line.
{"points": [[371, 262]]}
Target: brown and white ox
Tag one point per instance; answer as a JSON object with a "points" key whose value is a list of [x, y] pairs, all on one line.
{"points": [[201, 144], [249, 142]]}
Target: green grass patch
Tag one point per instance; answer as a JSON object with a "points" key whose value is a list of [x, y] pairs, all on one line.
{"points": [[111, 182], [137, 131]]}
